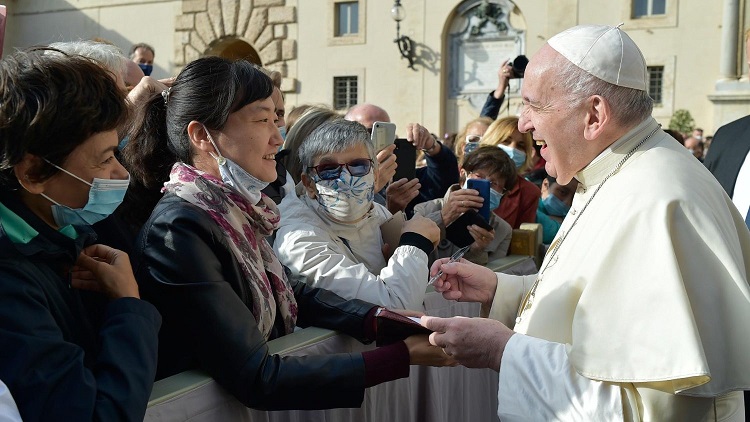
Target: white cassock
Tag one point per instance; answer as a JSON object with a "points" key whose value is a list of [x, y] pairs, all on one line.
{"points": [[644, 311]]}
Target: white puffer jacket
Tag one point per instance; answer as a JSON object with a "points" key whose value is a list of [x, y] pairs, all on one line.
{"points": [[347, 259]]}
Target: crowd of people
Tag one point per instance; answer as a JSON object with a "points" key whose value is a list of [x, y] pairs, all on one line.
{"points": [[149, 227]]}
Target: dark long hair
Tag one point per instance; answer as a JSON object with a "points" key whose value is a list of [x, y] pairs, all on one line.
{"points": [[207, 90]]}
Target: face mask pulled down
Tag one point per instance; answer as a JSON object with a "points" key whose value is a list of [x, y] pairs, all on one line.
{"points": [[235, 176], [105, 195], [347, 198]]}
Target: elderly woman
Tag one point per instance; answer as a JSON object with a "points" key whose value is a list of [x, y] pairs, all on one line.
{"points": [[203, 260], [520, 203], [67, 354], [487, 163], [332, 234]]}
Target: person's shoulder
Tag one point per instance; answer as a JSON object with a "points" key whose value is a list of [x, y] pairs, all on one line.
{"points": [[427, 207], [499, 225], [528, 188], [743, 123]]}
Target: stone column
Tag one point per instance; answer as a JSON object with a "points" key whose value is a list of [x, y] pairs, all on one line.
{"points": [[729, 36]]}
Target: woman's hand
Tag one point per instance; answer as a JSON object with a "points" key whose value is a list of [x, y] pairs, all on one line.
{"points": [[106, 270], [421, 352], [422, 226], [482, 237], [458, 202]]}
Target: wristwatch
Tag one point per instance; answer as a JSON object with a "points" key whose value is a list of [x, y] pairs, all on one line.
{"points": [[434, 144]]}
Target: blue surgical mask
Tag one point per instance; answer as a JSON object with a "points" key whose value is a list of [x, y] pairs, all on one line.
{"points": [[282, 130], [146, 68], [518, 156], [555, 206], [495, 198], [235, 176], [105, 196]]}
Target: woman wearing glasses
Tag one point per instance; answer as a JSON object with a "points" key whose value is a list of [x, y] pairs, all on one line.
{"points": [[487, 163], [331, 236], [203, 260], [468, 139]]}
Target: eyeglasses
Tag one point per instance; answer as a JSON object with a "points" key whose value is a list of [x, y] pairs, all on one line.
{"points": [[473, 138], [331, 171], [493, 183]]}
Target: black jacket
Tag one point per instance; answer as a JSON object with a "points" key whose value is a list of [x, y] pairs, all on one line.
{"points": [[727, 153], [185, 267], [65, 354], [440, 173], [491, 107]]}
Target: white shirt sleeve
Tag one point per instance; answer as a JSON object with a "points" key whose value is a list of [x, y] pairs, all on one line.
{"points": [[8, 408], [317, 256], [537, 382]]}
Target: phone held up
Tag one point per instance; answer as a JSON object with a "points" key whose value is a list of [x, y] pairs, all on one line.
{"points": [[383, 134], [406, 160], [483, 187]]}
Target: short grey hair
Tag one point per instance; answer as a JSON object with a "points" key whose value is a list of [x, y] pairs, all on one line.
{"points": [[333, 137], [629, 106], [107, 55]]}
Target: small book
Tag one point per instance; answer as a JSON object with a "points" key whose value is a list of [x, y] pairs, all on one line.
{"points": [[391, 231], [393, 327]]}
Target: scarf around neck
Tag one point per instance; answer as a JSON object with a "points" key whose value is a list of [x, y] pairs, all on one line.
{"points": [[245, 226]]}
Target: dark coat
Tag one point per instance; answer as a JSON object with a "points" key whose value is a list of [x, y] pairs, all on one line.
{"points": [[728, 150], [65, 354], [184, 265]]}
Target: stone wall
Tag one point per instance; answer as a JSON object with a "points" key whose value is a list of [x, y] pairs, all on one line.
{"points": [[263, 24]]}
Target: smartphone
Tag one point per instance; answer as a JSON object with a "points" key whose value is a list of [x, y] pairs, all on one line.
{"points": [[483, 186], [383, 134], [457, 232], [406, 160]]}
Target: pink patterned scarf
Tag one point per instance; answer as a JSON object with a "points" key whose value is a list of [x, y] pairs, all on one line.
{"points": [[246, 226]]}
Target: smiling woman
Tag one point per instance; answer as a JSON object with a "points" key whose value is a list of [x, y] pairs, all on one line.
{"points": [[202, 256], [73, 355]]}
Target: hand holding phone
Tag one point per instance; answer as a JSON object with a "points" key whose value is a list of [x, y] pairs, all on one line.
{"points": [[383, 134]]}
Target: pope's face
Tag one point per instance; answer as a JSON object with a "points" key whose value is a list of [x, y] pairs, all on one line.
{"points": [[552, 116]]}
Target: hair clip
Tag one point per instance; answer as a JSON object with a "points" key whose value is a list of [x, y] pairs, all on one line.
{"points": [[165, 94]]}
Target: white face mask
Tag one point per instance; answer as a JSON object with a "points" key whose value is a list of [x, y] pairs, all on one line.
{"points": [[347, 198], [235, 176]]}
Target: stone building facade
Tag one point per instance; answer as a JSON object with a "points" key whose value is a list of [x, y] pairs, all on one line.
{"points": [[343, 52]]}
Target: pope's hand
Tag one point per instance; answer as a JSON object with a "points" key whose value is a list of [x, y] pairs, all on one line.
{"points": [[465, 281], [472, 342]]}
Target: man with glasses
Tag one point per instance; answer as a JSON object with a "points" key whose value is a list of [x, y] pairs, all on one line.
{"points": [[332, 237]]}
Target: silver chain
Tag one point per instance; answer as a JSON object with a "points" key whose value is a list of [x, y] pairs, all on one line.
{"points": [[557, 244]]}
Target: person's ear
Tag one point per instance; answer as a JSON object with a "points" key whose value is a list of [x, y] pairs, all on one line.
{"points": [[25, 172], [462, 176], [309, 185], [598, 117], [545, 187], [199, 138]]}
